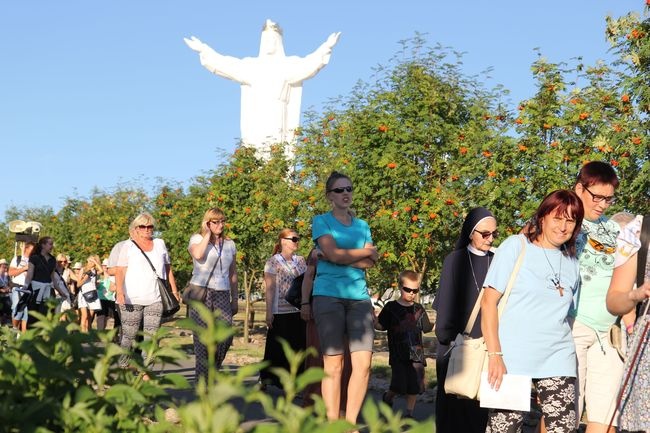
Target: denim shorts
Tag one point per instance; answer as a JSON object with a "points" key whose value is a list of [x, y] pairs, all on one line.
{"points": [[337, 317]]}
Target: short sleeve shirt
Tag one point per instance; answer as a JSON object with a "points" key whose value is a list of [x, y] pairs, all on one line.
{"points": [[284, 272], [534, 329], [219, 257], [341, 281], [140, 281]]}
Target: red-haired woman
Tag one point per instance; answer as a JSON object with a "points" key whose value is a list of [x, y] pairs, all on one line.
{"points": [[533, 335], [282, 319]]}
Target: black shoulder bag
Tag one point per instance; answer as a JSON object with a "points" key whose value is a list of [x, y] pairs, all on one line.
{"points": [[169, 302]]}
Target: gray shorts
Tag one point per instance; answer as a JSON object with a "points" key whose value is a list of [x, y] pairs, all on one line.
{"points": [[337, 318]]}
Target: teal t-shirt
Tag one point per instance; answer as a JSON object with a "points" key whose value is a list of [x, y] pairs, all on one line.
{"points": [[534, 329], [341, 281], [104, 291], [596, 269]]}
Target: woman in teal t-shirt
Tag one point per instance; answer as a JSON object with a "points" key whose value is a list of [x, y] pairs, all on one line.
{"points": [[341, 303]]}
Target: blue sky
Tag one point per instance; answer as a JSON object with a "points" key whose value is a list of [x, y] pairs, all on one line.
{"points": [[102, 93]]}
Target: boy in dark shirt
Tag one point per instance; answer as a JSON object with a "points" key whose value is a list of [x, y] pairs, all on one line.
{"points": [[405, 320]]}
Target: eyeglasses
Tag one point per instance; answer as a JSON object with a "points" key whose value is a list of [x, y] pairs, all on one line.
{"points": [[147, 227], [340, 190], [223, 221], [486, 235], [600, 247], [409, 290], [597, 198], [293, 239]]}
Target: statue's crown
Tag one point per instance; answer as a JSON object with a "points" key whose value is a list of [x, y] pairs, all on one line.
{"points": [[270, 25]]}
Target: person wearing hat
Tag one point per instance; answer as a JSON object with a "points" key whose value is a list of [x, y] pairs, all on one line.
{"points": [[5, 293], [461, 280]]}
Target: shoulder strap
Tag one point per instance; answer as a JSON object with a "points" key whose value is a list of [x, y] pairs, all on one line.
{"points": [[506, 293], [146, 257], [215, 263], [642, 256]]}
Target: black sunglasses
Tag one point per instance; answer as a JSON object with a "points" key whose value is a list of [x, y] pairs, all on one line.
{"points": [[293, 239], [486, 235], [409, 290], [597, 198], [340, 190], [143, 227]]}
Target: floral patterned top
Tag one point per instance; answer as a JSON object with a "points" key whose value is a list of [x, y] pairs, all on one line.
{"points": [[285, 271]]}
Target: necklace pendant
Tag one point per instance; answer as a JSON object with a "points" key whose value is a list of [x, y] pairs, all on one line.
{"points": [[560, 289]]}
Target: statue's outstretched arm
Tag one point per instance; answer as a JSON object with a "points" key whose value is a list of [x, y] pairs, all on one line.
{"points": [[225, 66], [314, 62]]}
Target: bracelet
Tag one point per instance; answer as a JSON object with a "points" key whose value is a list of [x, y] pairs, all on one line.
{"points": [[495, 353]]}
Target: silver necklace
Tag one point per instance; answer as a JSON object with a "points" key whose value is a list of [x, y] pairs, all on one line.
{"points": [[556, 280], [469, 257]]}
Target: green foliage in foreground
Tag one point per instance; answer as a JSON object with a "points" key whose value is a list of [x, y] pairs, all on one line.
{"points": [[56, 379]]}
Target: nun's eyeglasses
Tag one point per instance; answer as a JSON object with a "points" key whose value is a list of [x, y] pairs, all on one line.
{"points": [[486, 234]]}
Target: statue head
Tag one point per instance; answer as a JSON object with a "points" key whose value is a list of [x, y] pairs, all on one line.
{"points": [[271, 43]]}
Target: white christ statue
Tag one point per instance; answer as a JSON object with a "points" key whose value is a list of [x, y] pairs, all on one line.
{"points": [[271, 85]]}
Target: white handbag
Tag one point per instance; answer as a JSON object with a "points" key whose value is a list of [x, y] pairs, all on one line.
{"points": [[468, 356]]}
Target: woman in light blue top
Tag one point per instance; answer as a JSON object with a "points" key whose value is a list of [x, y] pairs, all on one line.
{"points": [[533, 336], [341, 303]]}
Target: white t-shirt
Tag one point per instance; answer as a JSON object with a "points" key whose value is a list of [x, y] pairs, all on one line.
{"points": [[140, 281], [220, 279], [24, 261], [115, 253]]}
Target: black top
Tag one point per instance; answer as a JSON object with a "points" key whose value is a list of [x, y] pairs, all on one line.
{"points": [[43, 268], [405, 326], [457, 295]]}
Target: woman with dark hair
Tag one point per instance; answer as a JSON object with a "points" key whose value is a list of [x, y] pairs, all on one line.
{"points": [[40, 275], [215, 268], [341, 302], [533, 335], [600, 368], [461, 280], [282, 319]]}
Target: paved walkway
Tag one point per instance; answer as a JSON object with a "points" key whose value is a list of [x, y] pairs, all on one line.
{"points": [[254, 413]]}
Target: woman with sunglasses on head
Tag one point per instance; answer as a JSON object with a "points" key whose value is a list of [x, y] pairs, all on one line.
{"points": [[142, 260], [600, 368], [215, 268], [341, 302], [532, 337], [282, 319], [461, 280]]}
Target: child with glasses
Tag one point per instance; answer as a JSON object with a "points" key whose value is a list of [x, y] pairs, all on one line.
{"points": [[405, 320]]}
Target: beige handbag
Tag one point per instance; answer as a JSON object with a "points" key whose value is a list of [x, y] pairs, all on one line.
{"points": [[469, 355]]}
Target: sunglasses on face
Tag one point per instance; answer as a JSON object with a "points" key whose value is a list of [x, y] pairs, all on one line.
{"points": [[293, 239], [340, 190], [223, 221], [145, 227], [600, 247], [409, 290], [597, 198], [486, 234]]}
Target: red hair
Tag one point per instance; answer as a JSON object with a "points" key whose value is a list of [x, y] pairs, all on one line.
{"points": [[560, 202], [284, 233]]}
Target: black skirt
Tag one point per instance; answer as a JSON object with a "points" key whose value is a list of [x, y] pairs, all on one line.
{"points": [[291, 328]]}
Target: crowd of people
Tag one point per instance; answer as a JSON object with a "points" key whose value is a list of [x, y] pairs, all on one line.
{"points": [[547, 302]]}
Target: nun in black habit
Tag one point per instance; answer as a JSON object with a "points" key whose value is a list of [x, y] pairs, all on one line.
{"points": [[461, 280]]}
